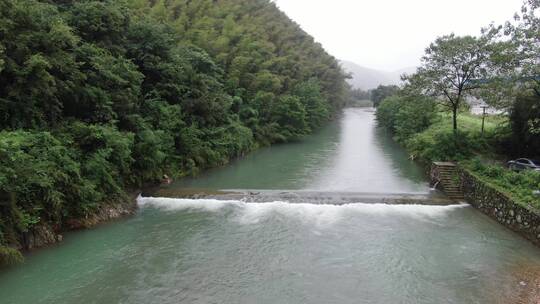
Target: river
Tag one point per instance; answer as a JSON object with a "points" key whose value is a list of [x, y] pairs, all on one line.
{"points": [[210, 251]]}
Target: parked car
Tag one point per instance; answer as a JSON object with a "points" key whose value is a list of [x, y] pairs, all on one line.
{"points": [[521, 164]]}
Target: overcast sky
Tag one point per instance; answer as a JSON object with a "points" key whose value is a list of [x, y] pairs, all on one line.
{"points": [[392, 34]]}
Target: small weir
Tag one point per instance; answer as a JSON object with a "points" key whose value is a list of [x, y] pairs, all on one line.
{"points": [[305, 196]]}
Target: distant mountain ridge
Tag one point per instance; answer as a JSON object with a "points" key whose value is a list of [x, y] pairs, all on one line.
{"points": [[366, 78]]}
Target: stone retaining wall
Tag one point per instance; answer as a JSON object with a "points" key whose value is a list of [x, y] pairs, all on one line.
{"points": [[525, 221]]}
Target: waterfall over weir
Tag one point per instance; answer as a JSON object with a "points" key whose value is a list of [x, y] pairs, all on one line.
{"points": [[306, 196]]}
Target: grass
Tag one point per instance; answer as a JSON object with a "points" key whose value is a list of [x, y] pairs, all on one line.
{"points": [[487, 165], [439, 142], [519, 186], [473, 123], [476, 153]]}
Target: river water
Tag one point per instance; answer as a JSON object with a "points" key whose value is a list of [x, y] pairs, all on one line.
{"points": [[210, 251]]}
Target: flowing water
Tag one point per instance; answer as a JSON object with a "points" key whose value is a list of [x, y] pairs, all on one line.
{"points": [[215, 251], [350, 154]]}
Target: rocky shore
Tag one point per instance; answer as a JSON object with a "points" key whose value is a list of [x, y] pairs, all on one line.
{"points": [[521, 218], [44, 234]]}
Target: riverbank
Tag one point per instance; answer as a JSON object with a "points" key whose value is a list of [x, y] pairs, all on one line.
{"points": [[183, 250], [44, 230], [506, 196], [516, 215], [45, 234], [126, 101]]}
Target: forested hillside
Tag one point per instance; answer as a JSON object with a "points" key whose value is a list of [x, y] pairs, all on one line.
{"points": [[98, 96]]}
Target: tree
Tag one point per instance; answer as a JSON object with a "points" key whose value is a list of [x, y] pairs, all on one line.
{"points": [[39, 67], [525, 38], [100, 95], [382, 92], [525, 138], [317, 108], [515, 64], [406, 115], [452, 68], [290, 114]]}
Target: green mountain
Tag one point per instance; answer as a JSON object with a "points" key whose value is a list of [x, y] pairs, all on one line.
{"points": [[97, 96]]}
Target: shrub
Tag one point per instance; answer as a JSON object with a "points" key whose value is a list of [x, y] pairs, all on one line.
{"points": [[525, 125], [518, 185], [9, 256], [414, 115], [406, 116], [105, 154], [36, 172], [386, 113], [438, 144]]}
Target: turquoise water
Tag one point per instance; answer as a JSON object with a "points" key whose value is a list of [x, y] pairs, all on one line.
{"points": [[350, 154], [209, 251]]}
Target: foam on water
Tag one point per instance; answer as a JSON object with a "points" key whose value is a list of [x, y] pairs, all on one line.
{"points": [[321, 214], [185, 204]]}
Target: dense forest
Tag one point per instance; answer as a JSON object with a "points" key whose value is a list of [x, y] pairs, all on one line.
{"points": [[100, 96]]}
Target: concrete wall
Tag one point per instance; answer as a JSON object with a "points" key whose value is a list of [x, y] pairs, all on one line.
{"points": [[525, 221]]}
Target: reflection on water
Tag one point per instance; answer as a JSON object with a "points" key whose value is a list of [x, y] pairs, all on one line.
{"points": [[351, 154], [285, 166], [365, 161], [400, 161]]}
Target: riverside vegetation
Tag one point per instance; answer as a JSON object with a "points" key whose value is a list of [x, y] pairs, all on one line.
{"points": [[429, 117], [100, 96]]}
